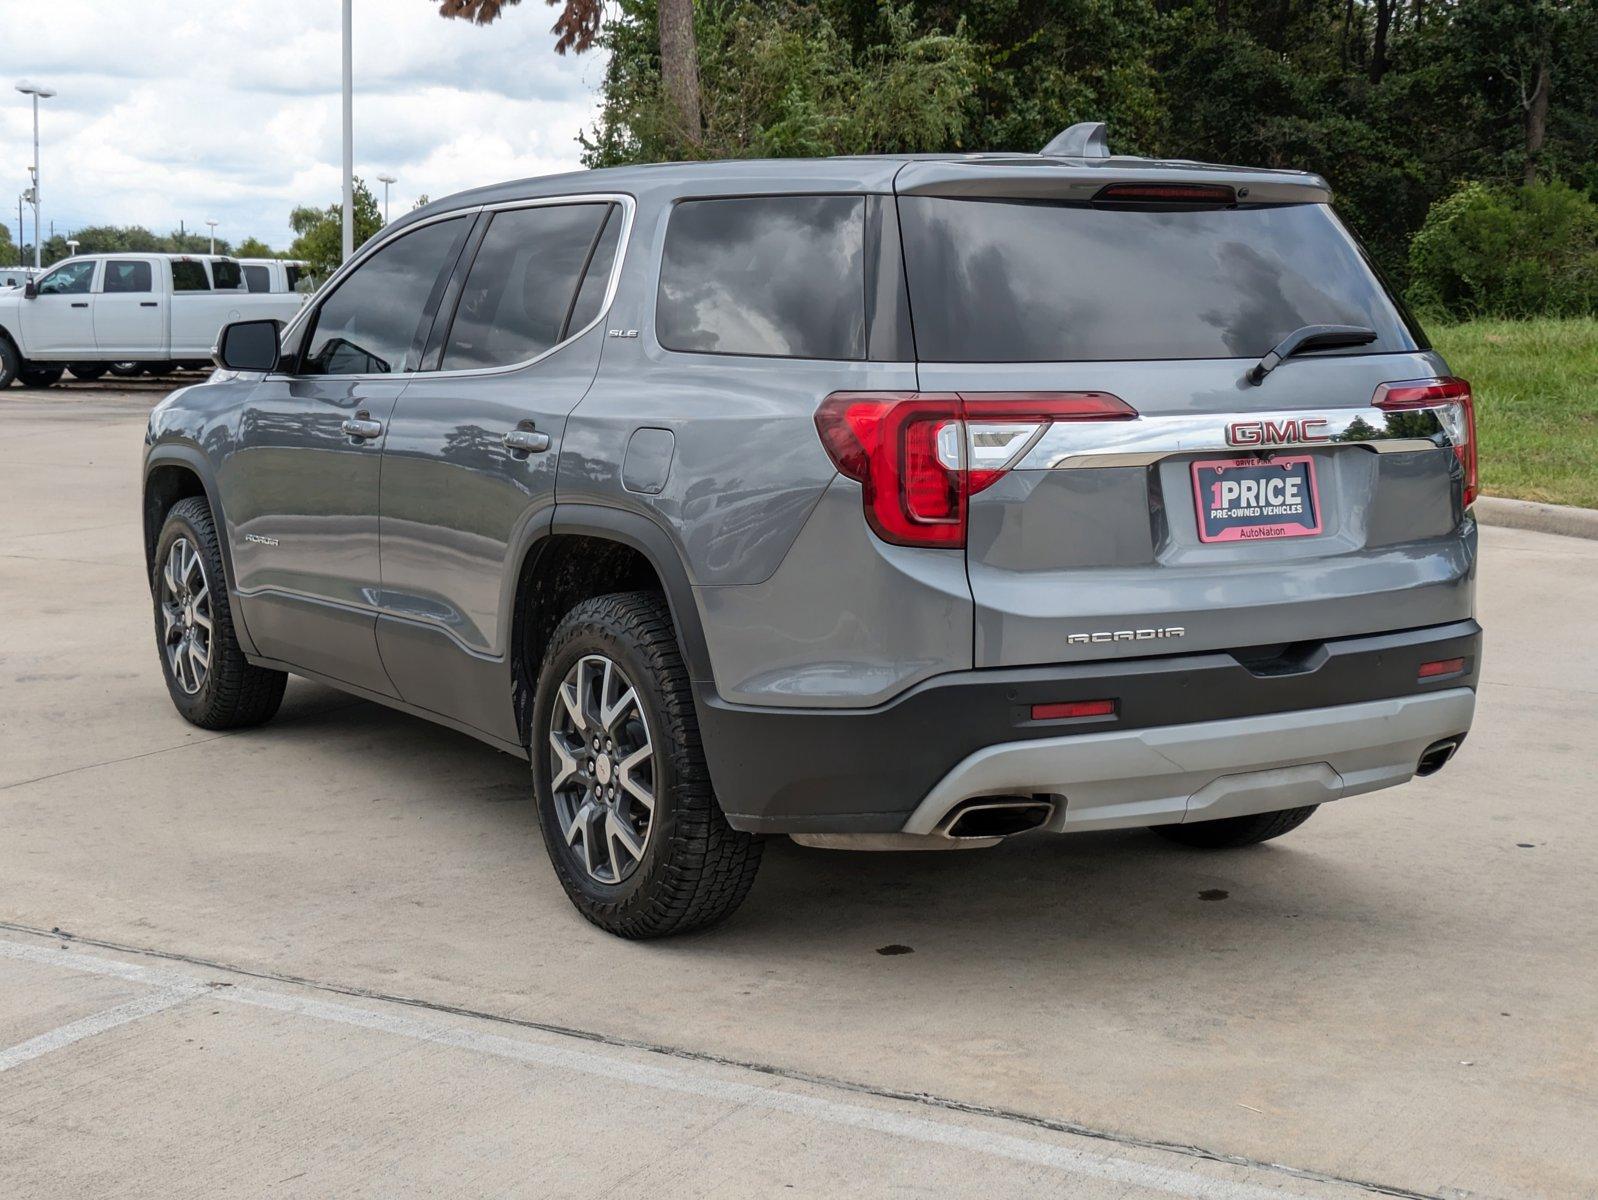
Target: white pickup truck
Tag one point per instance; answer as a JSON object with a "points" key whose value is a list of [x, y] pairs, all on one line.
{"points": [[275, 275], [161, 310]]}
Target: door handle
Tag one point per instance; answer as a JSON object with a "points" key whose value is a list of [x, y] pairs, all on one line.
{"points": [[149, 304], [362, 428], [80, 304], [526, 441]]}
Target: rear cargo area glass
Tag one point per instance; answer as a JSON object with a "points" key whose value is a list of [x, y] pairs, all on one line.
{"points": [[996, 280]]}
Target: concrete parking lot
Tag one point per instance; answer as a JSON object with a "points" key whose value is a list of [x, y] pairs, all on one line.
{"points": [[328, 957]]}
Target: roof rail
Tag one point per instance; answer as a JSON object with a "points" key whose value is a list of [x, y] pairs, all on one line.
{"points": [[1085, 139]]}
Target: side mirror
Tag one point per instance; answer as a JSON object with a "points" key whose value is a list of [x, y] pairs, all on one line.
{"points": [[248, 346], [30, 290]]}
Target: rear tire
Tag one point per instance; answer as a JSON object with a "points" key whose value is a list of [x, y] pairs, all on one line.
{"points": [[211, 683], [631, 823], [1231, 832], [127, 370], [88, 372], [158, 369], [40, 377]]}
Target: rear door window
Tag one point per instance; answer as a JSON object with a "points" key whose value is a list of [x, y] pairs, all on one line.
{"points": [[596, 280], [1047, 281], [520, 289], [776, 276], [226, 276], [127, 276], [189, 275], [376, 320], [257, 278]]}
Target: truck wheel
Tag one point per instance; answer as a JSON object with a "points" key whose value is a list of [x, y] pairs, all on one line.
{"points": [[1231, 832], [127, 370], [629, 817], [207, 676], [40, 377], [158, 369], [87, 371], [10, 362]]}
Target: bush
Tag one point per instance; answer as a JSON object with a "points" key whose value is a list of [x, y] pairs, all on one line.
{"points": [[1507, 252]]}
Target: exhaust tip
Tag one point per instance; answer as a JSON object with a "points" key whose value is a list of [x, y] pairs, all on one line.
{"points": [[1436, 756], [997, 817]]}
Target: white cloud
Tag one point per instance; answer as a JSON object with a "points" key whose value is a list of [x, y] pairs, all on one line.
{"points": [[171, 112]]}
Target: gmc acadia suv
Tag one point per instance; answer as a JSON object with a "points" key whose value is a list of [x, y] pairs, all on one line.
{"points": [[888, 503]]}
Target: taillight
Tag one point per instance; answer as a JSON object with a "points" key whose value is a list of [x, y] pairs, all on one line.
{"points": [[1451, 400], [920, 456]]}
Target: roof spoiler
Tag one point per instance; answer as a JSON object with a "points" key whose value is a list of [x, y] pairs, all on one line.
{"points": [[1085, 139]]}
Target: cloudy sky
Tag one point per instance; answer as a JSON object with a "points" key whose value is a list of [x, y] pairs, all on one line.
{"points": [[170, 111]]}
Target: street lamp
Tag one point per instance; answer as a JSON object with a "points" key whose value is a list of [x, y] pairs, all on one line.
{"points": [[72, 247], [39, 92], [349, 130], [213, 225], [385, 180]]}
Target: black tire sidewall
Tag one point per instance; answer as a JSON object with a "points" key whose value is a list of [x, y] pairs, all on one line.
{"points": [[611, 902], [10, 361]]}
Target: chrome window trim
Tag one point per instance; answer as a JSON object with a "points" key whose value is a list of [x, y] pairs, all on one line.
{"points": [[1068, 445], [628, 207]]}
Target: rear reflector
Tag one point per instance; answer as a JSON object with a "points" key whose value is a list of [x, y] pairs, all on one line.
{"points": [[1073, 708], [1451, 400], [1441, 666], [920, 456]]}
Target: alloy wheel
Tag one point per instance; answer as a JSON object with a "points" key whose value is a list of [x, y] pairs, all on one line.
{"points": [[602, 764], [186, 616]]}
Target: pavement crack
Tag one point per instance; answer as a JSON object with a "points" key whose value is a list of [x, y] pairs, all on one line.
{"points": [[771, 1070]]}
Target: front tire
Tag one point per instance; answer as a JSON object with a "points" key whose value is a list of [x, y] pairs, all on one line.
{"points": [[88, 372], [211, 683], [10, 361], [1228, 833], [629, 818]]}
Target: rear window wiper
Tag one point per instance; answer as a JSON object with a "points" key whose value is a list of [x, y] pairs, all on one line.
{"points": [[1310, 337]]}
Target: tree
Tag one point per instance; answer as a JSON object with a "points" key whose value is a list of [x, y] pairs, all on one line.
{"points": [[252, 247], [319, 232], [8, 248], [577, 28]]}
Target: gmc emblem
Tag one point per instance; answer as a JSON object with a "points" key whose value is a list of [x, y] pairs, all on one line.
{"points": [[1291, 431]]}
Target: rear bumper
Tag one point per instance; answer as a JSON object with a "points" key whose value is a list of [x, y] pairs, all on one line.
{"points": [[1208, 770], [874, 770]]}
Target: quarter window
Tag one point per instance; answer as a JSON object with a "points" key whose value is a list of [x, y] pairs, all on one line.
{"points": [[189, 276], [127, 277], [778, 276], [377, 318], [69, 279], [519, 293]]}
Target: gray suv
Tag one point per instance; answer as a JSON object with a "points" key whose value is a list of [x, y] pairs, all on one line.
{"points": [[883, 502]]}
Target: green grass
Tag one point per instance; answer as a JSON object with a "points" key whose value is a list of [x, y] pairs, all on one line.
{"points": [[1536, 388]]}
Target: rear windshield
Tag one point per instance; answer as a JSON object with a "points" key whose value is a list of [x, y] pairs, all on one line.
{"points": [[257, 278], [1045, 281]]}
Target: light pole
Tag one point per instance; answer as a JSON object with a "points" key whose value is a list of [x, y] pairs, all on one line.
{"points": [[385, 180], [72, 247], [349, 131], [40, 92], [213, 225]]}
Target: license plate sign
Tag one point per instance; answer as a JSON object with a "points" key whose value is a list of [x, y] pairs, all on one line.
{"points": [[1249, 499]]}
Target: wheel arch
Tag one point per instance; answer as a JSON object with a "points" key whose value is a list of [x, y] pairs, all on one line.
{"points": [[589, 550], [174, 471]]}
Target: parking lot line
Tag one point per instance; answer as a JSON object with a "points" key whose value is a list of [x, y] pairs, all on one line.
{"points": [[174, 988], [95, 1023]]}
